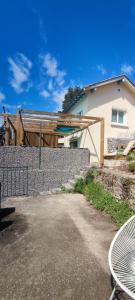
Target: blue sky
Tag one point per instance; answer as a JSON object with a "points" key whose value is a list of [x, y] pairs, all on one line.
{"points": [[49, 45]]}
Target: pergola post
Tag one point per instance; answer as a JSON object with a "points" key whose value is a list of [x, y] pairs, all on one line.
{"points": [[14, 129], [19, 130], [7, 134], [21, 136], [102, 143]]}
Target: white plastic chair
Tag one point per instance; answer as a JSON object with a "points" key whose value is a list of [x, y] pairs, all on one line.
{"points": [[122, 259]]}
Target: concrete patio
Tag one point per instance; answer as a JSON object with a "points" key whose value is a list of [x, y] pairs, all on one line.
{"points": [[56, 248]]}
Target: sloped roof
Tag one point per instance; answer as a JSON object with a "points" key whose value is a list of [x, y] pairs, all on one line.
{"points": [[91, 87], [118, 79]]}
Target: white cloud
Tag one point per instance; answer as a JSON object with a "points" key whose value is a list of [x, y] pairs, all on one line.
{"points": [[41, 26], [50, 64], [58, 96], [44, 94], [42, 30], [101, 69], [20, 68], [24, 61], [127, 69], [2, 96], [56, 80], [50, 85], [60, 77]]}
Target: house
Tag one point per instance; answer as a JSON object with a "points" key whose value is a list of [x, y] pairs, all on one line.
{"points": [[114, 100]]}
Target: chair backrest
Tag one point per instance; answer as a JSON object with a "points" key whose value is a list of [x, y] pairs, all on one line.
{"points": [[122, 257]]}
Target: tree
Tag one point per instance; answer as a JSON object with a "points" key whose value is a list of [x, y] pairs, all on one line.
{"points": [[72, 95]]}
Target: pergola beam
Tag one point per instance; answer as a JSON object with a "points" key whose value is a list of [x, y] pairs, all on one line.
{"points": [[52, 124], [36, 112], [43, 122], [37, 130], [52, 119]]}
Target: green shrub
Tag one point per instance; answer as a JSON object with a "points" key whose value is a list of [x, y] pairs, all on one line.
{"points": [[79, 186], [131, 156], [131, 167], [89, 177]]}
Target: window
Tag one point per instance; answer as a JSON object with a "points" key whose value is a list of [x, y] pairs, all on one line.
{"points": [[118, 116], [73, 143]]}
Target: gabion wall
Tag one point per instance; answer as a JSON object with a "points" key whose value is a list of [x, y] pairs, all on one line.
{"points": [[47, 167], [112, 143]]}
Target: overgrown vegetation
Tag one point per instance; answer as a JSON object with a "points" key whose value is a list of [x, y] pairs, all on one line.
{"points": [[131, 156], [79, 186], [131, 167], [103, 200]]}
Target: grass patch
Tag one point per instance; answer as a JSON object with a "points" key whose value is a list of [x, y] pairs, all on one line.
{"points": [[103, 200]]}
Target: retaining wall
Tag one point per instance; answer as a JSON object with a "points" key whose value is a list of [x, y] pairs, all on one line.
{"points": [[61, 158], [113, 143], [57, 165], [121, 184]]}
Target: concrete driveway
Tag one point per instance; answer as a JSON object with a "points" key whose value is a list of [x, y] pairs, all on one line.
{"points": [[56, 248]]}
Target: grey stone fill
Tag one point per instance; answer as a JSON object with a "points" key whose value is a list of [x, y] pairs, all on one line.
{"points": [[57, 166], [112, 143]]}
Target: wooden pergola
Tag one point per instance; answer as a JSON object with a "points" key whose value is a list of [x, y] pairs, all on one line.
{"points": [[47, 123]]}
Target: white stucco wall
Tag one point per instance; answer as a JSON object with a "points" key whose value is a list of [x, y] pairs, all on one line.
{"points": [[100, 104]]}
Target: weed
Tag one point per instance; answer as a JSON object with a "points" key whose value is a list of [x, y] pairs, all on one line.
{"points": [[79, 186]]}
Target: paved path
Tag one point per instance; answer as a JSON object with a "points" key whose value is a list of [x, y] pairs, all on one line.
{"points": [[56, 249]]}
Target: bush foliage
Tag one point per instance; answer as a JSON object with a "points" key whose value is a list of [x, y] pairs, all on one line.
{"points": [[131, 156], [131, 167], [79, 186], [103, 200]]}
